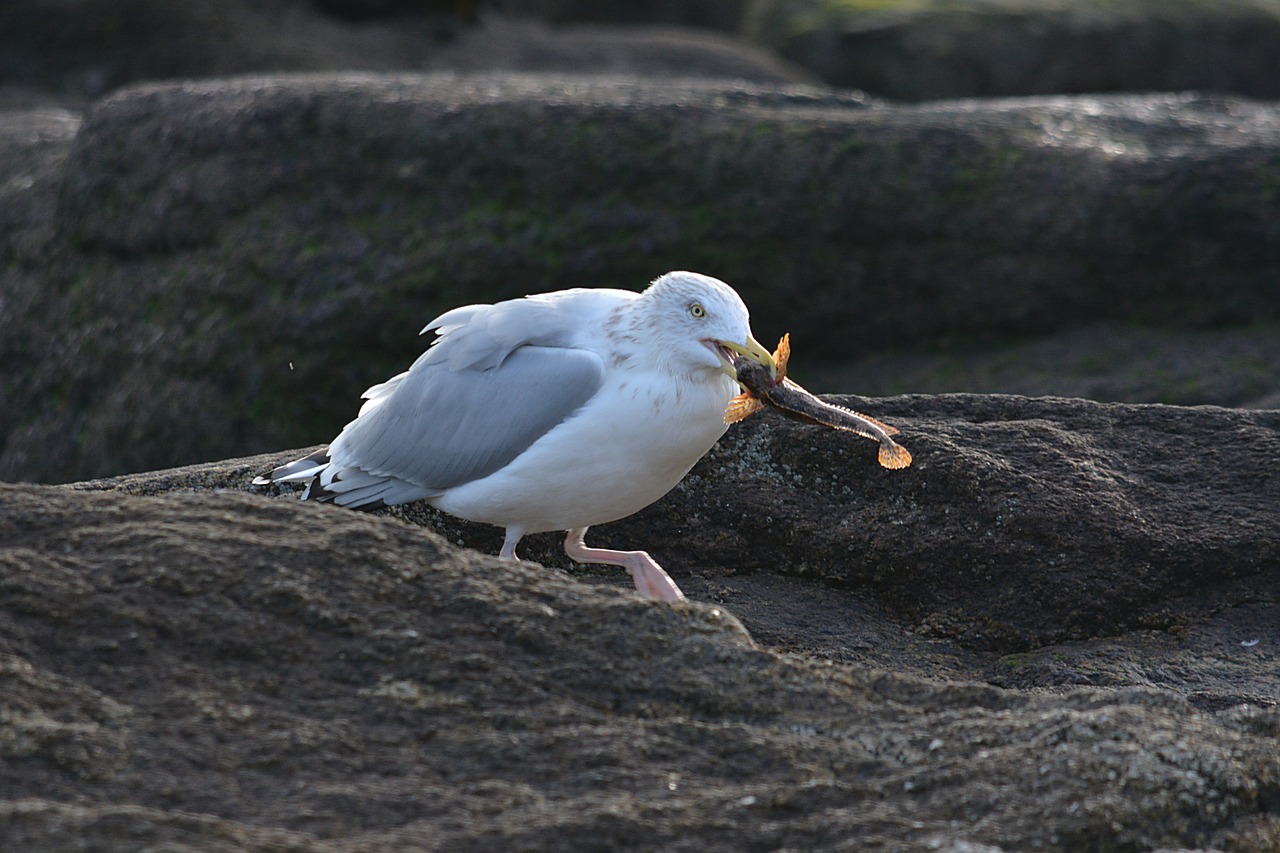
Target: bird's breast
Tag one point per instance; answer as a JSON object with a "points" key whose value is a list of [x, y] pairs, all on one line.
{"points": [[624, 449]]}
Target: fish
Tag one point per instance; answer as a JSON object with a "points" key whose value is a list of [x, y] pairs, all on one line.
{"points": [[759, 390]]}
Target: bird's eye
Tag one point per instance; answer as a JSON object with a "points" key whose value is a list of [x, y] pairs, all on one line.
{"points": [[697, 311]]}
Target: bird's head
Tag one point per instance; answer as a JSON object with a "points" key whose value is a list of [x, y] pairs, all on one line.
{"points": [[703, 323]]}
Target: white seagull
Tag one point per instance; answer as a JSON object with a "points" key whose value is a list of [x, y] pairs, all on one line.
{"points": [[557, 411]]}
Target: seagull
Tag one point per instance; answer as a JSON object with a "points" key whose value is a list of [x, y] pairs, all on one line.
{"points": [[557, 411]]}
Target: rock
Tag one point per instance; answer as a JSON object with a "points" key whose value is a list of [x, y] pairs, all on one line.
{"points": [[221, 267], [724, 15], [73, 50], [933, 50], [195, 666], [1111, 362], [655, 52], [68, 51], [371, 10], [85, 48], [34, 144], [1021, 524]]}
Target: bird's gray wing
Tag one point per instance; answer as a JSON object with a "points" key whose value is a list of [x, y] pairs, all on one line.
{"points": [[438, 427], [481, 336]]}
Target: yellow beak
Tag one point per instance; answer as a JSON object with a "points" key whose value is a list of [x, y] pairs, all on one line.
{"points": [[754, 351]]}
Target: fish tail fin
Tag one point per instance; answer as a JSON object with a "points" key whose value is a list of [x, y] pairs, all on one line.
{"points": [[741, 407], [893, 455]]}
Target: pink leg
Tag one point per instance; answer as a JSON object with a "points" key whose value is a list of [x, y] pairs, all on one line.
{"points": [[509, 541], [651, 581]]}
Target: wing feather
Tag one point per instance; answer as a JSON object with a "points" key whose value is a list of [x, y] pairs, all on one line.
{"points": [[496, 378], [442, 427], [481, 336]]}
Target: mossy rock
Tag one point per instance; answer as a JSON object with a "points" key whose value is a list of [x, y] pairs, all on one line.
{"points": [[931, 49], [221, 267]]}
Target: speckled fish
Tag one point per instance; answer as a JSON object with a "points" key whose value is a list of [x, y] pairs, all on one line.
{"points": [[761, 389]]}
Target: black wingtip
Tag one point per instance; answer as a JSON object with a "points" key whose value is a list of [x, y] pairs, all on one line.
{"points": [[316, 491]]}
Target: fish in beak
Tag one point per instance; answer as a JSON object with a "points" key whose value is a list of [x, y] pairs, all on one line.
{"points": [[761, 387], [751, 350]]}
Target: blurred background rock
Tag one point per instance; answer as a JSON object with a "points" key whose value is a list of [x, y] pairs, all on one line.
{"points": [[900, 49], [928, 49], [174, 265], [202, 257]]}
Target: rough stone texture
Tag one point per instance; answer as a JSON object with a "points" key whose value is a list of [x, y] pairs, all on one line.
{"points": [[187, 664], [33, 150], [1022, 522], [220, 267], [89, 47], [934, 49], [724, 15], [1056, 631], [655, 52], [71, 50], [1233, 366]]}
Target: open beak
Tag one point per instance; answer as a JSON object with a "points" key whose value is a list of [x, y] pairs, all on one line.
{"points": [[752, 350]]}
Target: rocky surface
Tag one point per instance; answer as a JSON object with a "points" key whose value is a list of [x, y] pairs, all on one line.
{"points": [[657, 52], [1023, 523], [188, 664], [1230, 366], [205, 269], [1056, 631], [71, 51], [935, 49]]}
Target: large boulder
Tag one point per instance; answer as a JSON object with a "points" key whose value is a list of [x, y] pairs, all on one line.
{"points": [[72, 50], [978, 48], [207, 269], [655, 52], [1227, 366], [1022, 523], [189, 666], [724, 15], [88, 47]]}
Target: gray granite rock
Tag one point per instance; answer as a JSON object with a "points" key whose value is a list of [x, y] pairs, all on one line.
{"points": [[213, 268], [189, 665], [938, 49]]}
